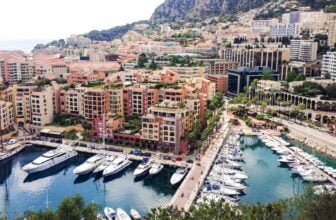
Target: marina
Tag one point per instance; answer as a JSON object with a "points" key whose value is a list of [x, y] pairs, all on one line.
{"points": [[277, 171], [232, 173], [16, 186]]}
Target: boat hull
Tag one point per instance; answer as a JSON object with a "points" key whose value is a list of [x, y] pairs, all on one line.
{"points": [[31, 168]]}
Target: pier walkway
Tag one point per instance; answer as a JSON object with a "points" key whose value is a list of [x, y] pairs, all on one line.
{"points": [[155, 157], [330, 179], [188, 190]]}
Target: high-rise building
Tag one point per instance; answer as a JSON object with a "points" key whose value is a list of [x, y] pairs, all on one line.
{"points": [[241, 79], [271, 57], [303, 50], [331, 33], [42, 107], [166, 123], [6, 115], [329, 65], [285, 30]]}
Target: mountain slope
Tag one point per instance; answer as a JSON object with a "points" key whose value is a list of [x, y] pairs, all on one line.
{"points": [[172, 10]]}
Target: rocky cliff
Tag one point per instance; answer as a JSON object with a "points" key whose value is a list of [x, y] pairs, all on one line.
{"points": [[172, 10]]}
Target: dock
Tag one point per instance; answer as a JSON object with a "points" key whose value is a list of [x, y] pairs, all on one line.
{"points": [[330, 178], [188, 190], [158, 158], [11, 151]]}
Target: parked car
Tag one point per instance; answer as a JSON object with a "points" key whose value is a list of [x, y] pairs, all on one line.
{"points": [[167, 157], [12, 141], [179, 158], [136, 152], [146, 154], [190, 161]]}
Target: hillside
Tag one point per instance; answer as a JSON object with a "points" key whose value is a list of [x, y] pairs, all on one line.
{"points": [[173, 10], [196, 10]]}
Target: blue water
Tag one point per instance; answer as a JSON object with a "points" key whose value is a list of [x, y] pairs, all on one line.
{"points": [[268, 181], [327, 160], [19, 192]]}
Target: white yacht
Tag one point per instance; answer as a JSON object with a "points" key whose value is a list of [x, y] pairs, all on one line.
{"points": [[119, 164], [122, 215], [135, 214], [286, 159], [110, 213], [50, 159], [155, 169], [89, 165], [178, 176], [105, 164], [143, 167]]}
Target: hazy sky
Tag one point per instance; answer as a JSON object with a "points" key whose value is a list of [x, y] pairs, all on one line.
{"points": [[54, 19]]}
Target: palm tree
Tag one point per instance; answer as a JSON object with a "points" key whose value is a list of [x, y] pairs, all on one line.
{"points": [[301, 107]]}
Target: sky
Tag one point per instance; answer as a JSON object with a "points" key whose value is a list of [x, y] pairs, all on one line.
{"points": [[55, 19]]}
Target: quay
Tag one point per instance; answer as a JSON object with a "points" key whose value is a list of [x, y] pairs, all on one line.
{"points": [[100, 150], [330, 179], [11, 151], [188, 190]]}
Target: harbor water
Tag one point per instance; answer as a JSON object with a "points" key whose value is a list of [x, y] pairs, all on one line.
{"points": [[268, 181], [20, 192]]}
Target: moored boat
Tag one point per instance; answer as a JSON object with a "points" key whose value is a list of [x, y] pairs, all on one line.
{"points": [[143, 167], [122, 215], [110, 213], [89, 165], [135, 214], [119, 164], [155, 169], [50, 159], [177, 177], [105, 164]]}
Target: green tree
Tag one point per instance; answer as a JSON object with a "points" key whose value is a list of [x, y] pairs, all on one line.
{"points": [[291, 76], [267, 75], [142, 60], [71, 208]]}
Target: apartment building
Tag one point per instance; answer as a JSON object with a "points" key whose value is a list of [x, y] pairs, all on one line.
{"points": [[14, 71], [171, 94], [115, 102], [165, 125], [189, 72], [303, 50], [221, 67], [42, 109], [221, 82], [331, 27], [72, 101], [263, 26], [271, 57], [285, 30], [137, 100], [329, 65], [6, 115], [22, 104], [95, 103]]}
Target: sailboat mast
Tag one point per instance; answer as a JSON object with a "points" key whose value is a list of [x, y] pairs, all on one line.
{"points": [[104, 127], [2, 148]]}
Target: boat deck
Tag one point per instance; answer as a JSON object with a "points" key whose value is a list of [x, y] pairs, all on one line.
{"points": [[330, 179], [155, 158]]}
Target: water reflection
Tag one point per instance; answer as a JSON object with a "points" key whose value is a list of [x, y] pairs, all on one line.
{"points": [[5, 170], [20, 192], [63, 167]]}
